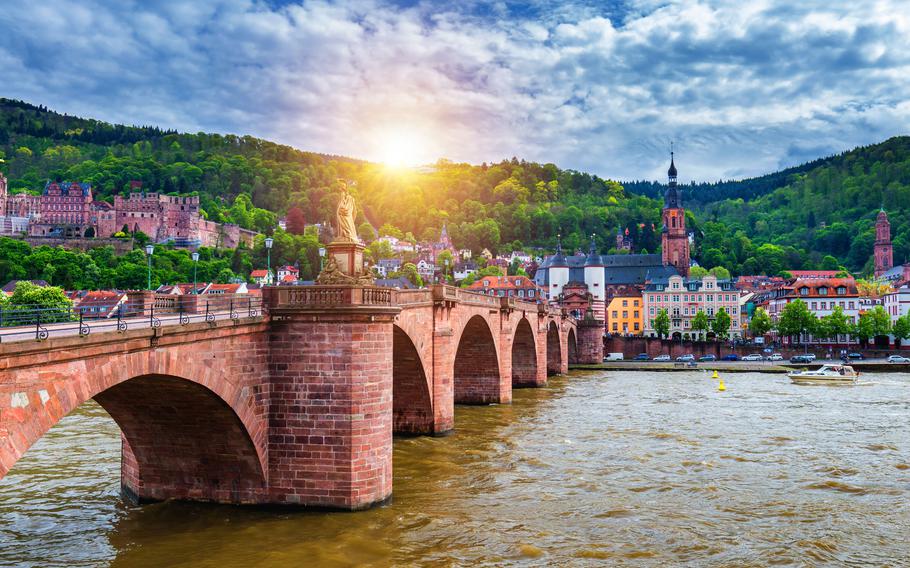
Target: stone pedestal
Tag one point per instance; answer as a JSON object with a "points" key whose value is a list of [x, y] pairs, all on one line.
{"points": [[344, 265]]}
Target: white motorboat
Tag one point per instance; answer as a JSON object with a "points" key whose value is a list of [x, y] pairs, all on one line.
{"points": [[827, 375]]}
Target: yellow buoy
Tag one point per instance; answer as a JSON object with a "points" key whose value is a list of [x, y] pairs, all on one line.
{"points": [[714, 376], [721, 386]]}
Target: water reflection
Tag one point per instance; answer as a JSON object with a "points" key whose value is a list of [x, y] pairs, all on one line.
{"points": [[625, 469]]}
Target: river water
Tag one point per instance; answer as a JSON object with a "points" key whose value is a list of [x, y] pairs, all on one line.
{"points": [[608, 468]]}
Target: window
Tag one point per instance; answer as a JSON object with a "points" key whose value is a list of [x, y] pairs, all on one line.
{"points": [[615, 326], [841, 290], [666, 298], [652, 310], [636, 326], [487, 283], [710, 297], [676, 297], [710, 311], [803, 291], [625, 314], [635, 314], [615, 314], [625, 303], [686, 311], [530, 293], [823, 291], [814, 305]]}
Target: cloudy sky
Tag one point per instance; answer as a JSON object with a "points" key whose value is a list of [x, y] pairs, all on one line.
{"points": [[743, 88]]}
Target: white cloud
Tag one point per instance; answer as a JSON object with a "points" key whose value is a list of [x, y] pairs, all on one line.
{"points": [[742, 89]]}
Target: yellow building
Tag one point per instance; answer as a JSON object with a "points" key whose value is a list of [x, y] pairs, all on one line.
{"points": [[625, 315]]}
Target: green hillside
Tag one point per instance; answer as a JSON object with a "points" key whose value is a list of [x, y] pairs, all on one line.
{"points": [[815, 215], [828, 210]]}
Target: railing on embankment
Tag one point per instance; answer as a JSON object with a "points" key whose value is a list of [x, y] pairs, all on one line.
{"points": [[145, 310]]}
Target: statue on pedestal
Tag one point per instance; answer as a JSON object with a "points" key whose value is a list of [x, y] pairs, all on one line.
{"points": [[347, 231]]}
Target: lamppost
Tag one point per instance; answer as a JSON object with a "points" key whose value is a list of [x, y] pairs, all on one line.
{"points": [[321, 257], [149, 251], [445, 271], [268, 249], [195, 262]]}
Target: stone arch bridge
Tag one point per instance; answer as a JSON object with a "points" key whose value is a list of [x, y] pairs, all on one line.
{"points": [[296, 406]]}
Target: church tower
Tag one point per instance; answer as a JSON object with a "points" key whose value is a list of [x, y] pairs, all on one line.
{"points": [[3, 195], [884, 255], [674, 241]]}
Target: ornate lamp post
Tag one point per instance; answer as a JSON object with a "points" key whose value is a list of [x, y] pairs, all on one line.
{"points": [[445, 271], [195, 262], [268, 249], [321, 258], [149, 251]]}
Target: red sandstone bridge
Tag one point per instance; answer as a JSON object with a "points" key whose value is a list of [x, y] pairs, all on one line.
{"points": [[296, 405]]}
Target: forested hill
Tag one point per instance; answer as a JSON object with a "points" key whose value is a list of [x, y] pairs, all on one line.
{"points": [[826, 211], [249, 181], [820, 214], [703, 192]]}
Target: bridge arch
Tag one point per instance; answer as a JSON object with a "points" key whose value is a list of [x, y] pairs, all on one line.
{"points": [[185, 435], [572, 346], [412, 405], [554, 349], [524, 356], [476, 375]]}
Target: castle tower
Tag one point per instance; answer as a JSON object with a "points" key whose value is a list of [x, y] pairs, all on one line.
{"points": [[884, 255], [595, 278], [559, 272], [674, 240]]}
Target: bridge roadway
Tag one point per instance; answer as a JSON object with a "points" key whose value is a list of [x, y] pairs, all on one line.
{"points": [[293, 406]]}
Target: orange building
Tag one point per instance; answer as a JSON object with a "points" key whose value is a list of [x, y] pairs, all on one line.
{"points": [[625, 315]]}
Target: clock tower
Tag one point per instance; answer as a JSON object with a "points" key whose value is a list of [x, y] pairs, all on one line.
{"points": [[674, 241]]}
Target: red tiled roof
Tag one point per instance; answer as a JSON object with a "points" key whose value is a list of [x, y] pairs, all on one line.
{"points": [[814, 273], [259, 273]]}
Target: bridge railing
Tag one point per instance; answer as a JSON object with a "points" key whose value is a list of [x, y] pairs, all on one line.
{"points": [[142, 310], [277, 297]]}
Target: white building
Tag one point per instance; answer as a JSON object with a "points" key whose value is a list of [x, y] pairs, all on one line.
{"points": [[897, 303], [683, 299]]}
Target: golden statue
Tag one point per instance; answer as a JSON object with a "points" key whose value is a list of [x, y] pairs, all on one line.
{"points": [[345, 216]]}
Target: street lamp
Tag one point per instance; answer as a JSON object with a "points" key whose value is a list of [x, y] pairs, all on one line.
{"points": [[445, 271], [321, 257], [195, 262], [268, 249], [149, 251]]}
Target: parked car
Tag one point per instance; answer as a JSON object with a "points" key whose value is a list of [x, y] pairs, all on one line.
{"points": [[775, 357], [662, 358], [810, 356], [687, 358], [855, 355], [706, 358], [613, 357], [752, 357], [641, 357], [800, 359], [731, 357], [898, 359]]}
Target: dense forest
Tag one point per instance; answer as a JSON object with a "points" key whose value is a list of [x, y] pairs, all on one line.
{"points": [[816, 215]]}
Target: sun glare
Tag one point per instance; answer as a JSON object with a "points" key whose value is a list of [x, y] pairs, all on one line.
{"points": [[401, 149]]}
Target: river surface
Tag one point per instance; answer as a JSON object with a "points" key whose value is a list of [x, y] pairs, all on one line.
{"points": [[607, 468]]}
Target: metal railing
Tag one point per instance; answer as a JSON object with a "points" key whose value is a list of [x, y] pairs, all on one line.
{"points": [[23, 322]]}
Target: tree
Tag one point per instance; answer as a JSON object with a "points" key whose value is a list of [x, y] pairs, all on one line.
{"points": [[720, 273], [873, 323], [445, 262], [365, 232], [661, 324], [761, 323], [28, 300], [834, 324], [295, 221], [796, 320], [873, 288], [901, 328], [721, 324], [700, 323], [409, 271], [697, 272]]}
